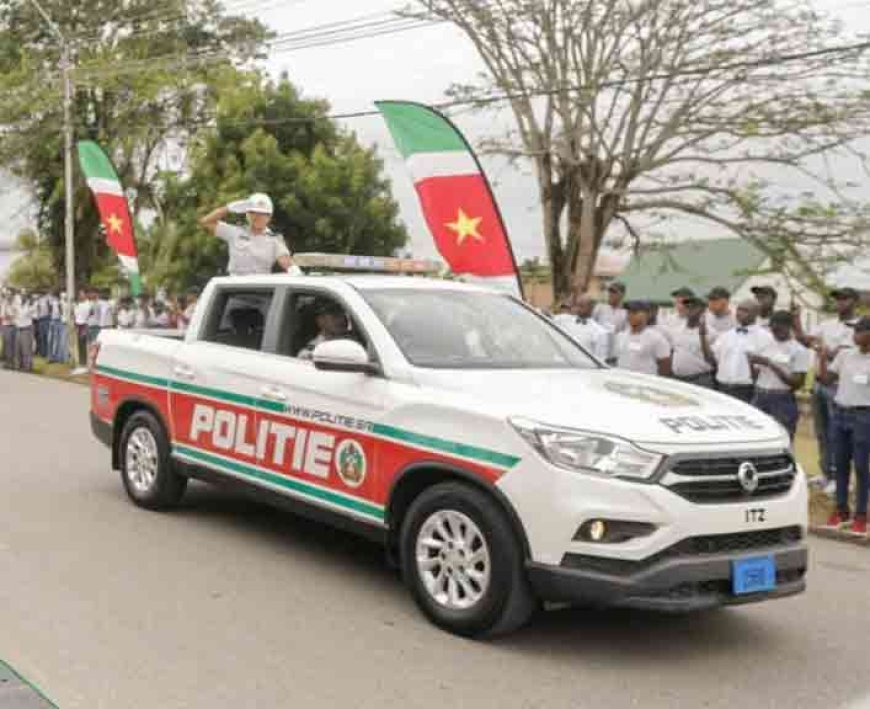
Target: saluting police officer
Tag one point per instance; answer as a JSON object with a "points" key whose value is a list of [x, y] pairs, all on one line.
{"points": [[253, 248]]}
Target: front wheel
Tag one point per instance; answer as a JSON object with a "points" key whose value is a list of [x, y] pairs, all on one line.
{"points": [[146, 468], [462, 562]]}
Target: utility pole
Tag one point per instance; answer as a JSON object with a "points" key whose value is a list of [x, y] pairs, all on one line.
{"points": [[66, 66]]}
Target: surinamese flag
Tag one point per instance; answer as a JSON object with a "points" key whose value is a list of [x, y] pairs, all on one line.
{"points": [[112, 205], [454, 194]]}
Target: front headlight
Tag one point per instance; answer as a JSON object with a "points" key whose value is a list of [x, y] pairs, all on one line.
{"points": [[588, 452]]}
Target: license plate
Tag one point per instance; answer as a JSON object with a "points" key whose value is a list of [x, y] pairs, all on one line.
{"points": [[753, 575]]}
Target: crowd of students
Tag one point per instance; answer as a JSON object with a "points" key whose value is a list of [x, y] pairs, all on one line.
{"points": [[758, 354], [35, 323]]}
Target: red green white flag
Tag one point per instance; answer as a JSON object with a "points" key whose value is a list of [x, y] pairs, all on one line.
{"points": [[454, 194], [112, 205]]}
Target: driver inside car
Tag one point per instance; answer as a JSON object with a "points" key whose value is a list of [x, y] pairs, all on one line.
{"points": [[332, 324]]}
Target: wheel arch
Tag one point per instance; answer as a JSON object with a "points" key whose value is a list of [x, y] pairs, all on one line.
{"points": [[420, 476], [123, 413]]}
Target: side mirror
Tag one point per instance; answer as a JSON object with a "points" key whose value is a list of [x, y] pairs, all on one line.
{"points": [[343, 356]]}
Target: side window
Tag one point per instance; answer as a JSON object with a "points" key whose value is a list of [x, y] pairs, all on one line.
{"points": [[316, 318], [238, 318]]}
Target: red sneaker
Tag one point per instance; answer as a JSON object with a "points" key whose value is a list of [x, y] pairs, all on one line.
{"points": [[836, 520], [859, 526]]}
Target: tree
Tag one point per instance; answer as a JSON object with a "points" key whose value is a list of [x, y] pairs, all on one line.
{"points": [[701, 108], [144, 74], [329, 192], [33, 268]]}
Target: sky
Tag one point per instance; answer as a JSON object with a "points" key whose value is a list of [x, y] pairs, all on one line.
{"points": [[418, 65]]}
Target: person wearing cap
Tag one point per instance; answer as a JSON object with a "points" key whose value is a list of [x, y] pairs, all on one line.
{"points": [[640, 348], [612, 316], [718, 319], [766, 297], [692, 360], [850, 372], [781, 369], [253, 248], [734, 375], [332, 324], [580, 324], [834, 334]]}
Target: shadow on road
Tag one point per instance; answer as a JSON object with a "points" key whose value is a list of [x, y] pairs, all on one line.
{"points": [[569, 633]]}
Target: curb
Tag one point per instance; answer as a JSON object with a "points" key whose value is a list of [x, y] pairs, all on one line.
{"points": [[839, 535]]}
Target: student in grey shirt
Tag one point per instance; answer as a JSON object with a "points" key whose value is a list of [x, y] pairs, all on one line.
{"points": [[253, 248], [692, 359], [781, 369], [640, 348], [850, 370]]}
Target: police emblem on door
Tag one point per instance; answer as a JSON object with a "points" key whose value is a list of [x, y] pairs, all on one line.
{"points": [[350, 463]]}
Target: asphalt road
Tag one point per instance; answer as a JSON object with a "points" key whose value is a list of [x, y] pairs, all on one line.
{"points": [[225, 603]]}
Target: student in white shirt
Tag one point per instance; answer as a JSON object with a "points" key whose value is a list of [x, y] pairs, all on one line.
{"points": [[594, 338], [781, 368], [766, 297], [850, 371], [25, 313], [612, 315], [7, 321], [734, 374], [718, 318], [640, 348], [692, 359], [126, 313], [106, 311], [143, 315], [81, 316]]}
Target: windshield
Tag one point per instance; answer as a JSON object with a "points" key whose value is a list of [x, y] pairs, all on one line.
{"points": [[462, 330]]}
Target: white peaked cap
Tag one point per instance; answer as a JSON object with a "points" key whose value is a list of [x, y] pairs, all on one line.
{"points": [[260, 203]]}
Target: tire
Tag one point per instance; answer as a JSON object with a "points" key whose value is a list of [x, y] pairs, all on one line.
{"points": [[473, 590], [146, 468]]}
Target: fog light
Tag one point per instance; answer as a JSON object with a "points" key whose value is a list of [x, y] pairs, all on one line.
{"points": [[597, 530], [612, 531]]}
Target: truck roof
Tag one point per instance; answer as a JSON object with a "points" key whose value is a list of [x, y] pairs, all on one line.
{"points": [[358, 281]]}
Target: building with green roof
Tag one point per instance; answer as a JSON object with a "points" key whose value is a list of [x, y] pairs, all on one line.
{"points": [[658, 270]]}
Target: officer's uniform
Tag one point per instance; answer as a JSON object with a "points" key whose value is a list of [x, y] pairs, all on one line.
{"points": [[733, 373], [772, 395], [614, 321], [689, 364], [851, 427], [641, 351], [593, 337], [250, 253]]}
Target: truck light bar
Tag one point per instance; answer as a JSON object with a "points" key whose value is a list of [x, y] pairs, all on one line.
{"points": [[366, 264]]}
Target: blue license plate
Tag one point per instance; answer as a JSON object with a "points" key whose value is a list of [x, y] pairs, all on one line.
{"points": [[754, 575]]}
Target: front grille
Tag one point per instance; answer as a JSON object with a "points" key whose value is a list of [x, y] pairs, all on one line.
{"points": [[691, 547], [711, 480]]}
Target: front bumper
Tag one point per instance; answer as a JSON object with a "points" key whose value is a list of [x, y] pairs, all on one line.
{"points": [[675, 584]]}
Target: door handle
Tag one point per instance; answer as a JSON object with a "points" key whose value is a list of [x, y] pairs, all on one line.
{"points": [[274, 393], [182, 371]]}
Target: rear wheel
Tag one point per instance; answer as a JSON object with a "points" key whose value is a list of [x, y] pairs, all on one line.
{"points": [[146, 468], [462, 562]]}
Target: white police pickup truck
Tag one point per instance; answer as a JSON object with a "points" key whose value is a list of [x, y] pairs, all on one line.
{"points": [[500, 463]]}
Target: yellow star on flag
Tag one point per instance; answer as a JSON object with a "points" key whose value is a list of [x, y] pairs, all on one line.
{"points": [[114, 223], [465, 227]]}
